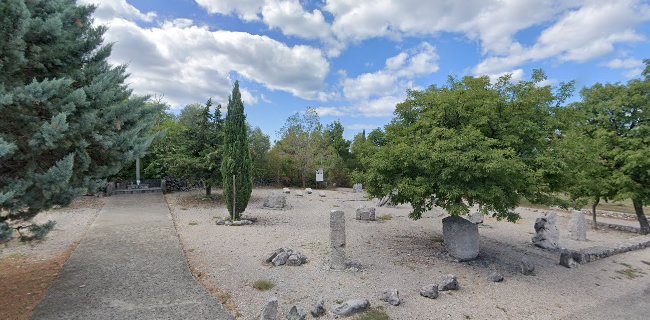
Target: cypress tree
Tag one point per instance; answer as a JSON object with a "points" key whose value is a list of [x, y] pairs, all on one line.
{"points": [[236, 156], [68, 119]]}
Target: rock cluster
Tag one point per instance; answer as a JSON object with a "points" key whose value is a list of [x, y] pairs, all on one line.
{"points": [[350, 307], [285, 256], [391, 296], [275, 201], [448, 282], [243, 221], [365, 214], [547, 235]]}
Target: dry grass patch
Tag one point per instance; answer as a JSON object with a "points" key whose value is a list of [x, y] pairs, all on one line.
{"points": [[377, 313], [263, 285]]}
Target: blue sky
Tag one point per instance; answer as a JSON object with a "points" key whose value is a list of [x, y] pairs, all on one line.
{"points": [[353, 60]]}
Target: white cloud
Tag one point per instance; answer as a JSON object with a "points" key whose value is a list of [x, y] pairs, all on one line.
{"points": [[108, 9], [187, 63], [246, 10], [290, 17], [579, 35], [628, 63], [361, 126], [330, 111], [515, 75]]}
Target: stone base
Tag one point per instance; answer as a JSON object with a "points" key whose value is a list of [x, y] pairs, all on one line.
{"points": [[461, 238]]}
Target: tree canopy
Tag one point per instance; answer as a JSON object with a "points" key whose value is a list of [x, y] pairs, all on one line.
{"points": [[68, 118]]}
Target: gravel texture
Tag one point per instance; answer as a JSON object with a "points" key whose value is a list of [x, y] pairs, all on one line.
{"points": [[403, 254], [71, 225]]}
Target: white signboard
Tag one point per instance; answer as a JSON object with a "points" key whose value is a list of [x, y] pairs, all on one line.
{"points": [[319, 175]]}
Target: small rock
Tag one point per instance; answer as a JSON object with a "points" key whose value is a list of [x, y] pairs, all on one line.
{"points": [[286, 190], [280, 259], [527, 267], [321, 194], [495, 277], [242, 222], [449, 282], [221, 222], [366, 214], [272, 255], [270, 310], [351, 307], [318, 309], [308, 191], [299, 193], [294, 260], [297, 313], [391, 296], [429, 291], [476, 217]]}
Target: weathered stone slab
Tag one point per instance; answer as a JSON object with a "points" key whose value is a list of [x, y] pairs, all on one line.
{"points": [[547, 235], [270, 310], [351, 307], [275, 201], [578, 226], [337, 239], [366, 214], [461, 238], [297, 313], [429, 291], [391, 296], [318, 309]]}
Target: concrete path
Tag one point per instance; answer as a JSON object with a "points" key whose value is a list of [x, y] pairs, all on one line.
{"points": [[130, 265]]}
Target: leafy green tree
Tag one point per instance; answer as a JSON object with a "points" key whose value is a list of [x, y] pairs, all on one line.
{"points": [[68, 118], [260, 144], [344, 162], [618, 117], [198, 157], [236, 157], [465, 144], [302, 148]]}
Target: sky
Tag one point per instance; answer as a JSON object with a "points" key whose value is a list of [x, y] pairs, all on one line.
{"points": [[354, 60]]}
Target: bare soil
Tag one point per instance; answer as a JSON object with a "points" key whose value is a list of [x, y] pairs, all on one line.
{"points": [[27, 270], [396, 253]]}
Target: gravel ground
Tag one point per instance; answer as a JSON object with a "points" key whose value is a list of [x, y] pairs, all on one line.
{"points": [[71, 225], [398, 253]]}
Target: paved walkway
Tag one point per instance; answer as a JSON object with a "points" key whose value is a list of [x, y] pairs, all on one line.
{"points": [[130, 265]]}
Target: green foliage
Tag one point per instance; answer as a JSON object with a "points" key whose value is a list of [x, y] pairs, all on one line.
{"points": [[263, 285], [305, 147], [6, 232], [467, 143], [260, 144], [68, 119], [616, 121], [39, 231], [377, 313], [236, 157]]}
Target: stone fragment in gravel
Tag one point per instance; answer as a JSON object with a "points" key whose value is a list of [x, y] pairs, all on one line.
{"points": [[350, 307], [275, 201], [578, 226], [391, 296], [297, 313], [318, 309], [299, 193], [476, 217], [337, 240], [321, 194], [366, 214], [286, 190], [527, 267], [280, 259], [308, 191], [449, 282], [221, 222], [242, 222], [429, 291], [269, 257], [547, 235], [270, 310], [495, 277], [294, 260]]}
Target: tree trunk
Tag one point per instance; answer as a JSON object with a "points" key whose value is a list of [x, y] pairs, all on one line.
{"points": [[208, 190], [643, 221], [593, 212]]}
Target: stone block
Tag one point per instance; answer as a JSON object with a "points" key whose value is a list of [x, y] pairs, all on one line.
{"points": [[578, 226], [337, 239], [461, 238], [366, 214]]}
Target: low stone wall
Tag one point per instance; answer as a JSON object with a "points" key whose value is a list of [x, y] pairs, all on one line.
{"points": [[614, 226], [571, 258]]}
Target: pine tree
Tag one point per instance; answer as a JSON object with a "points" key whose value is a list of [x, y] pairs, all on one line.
{"points": [[236, 157], [68, 119]]}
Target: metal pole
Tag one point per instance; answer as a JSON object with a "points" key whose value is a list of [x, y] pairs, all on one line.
{"points": [[234, 197]]}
